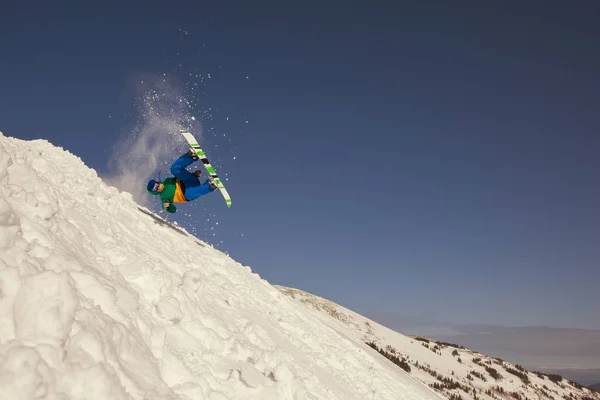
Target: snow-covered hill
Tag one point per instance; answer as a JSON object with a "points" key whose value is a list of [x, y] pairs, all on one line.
{"points": [[100, 299], [453, 371]]}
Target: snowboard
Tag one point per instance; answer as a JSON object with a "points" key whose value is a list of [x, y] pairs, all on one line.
{"points": [[196, 149]]}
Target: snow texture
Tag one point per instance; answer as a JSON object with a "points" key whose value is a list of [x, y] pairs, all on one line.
{"points": [[454, 371], [101, 299]]}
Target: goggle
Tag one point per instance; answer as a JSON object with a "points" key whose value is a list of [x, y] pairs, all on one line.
{"points": [[155, 188]]}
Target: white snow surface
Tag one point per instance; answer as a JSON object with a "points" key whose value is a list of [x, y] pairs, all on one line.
{"points": [[454, 371], [100, 299]]}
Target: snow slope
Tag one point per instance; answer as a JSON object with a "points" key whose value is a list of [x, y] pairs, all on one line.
{"points": [[453, 371], [101, 299]]}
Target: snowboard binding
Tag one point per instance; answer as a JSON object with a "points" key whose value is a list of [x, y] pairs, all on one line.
{"points": [[193, 154]]}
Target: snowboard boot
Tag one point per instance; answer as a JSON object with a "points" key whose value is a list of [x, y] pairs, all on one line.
{"points": [[193, 154], [197, 174]]}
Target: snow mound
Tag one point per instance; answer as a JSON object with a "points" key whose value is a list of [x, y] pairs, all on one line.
{"points": [[101, 299]]}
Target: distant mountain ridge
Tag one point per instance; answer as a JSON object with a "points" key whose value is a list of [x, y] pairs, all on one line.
{"points": [[451, 370], [587, 377]]}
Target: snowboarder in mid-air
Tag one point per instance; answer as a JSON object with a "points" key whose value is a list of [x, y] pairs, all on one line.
{"points": [[184, 186]]}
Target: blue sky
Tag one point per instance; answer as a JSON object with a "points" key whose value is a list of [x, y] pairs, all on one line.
{"points": [[417, 159]]}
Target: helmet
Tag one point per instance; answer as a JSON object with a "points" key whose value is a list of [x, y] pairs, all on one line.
{"points": [[152, 185]]}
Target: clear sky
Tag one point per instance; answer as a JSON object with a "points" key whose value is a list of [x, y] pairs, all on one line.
{"points": [[420, 158]]}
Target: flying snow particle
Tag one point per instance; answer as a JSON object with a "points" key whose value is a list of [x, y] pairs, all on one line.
{"points": [[193, 118]]}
